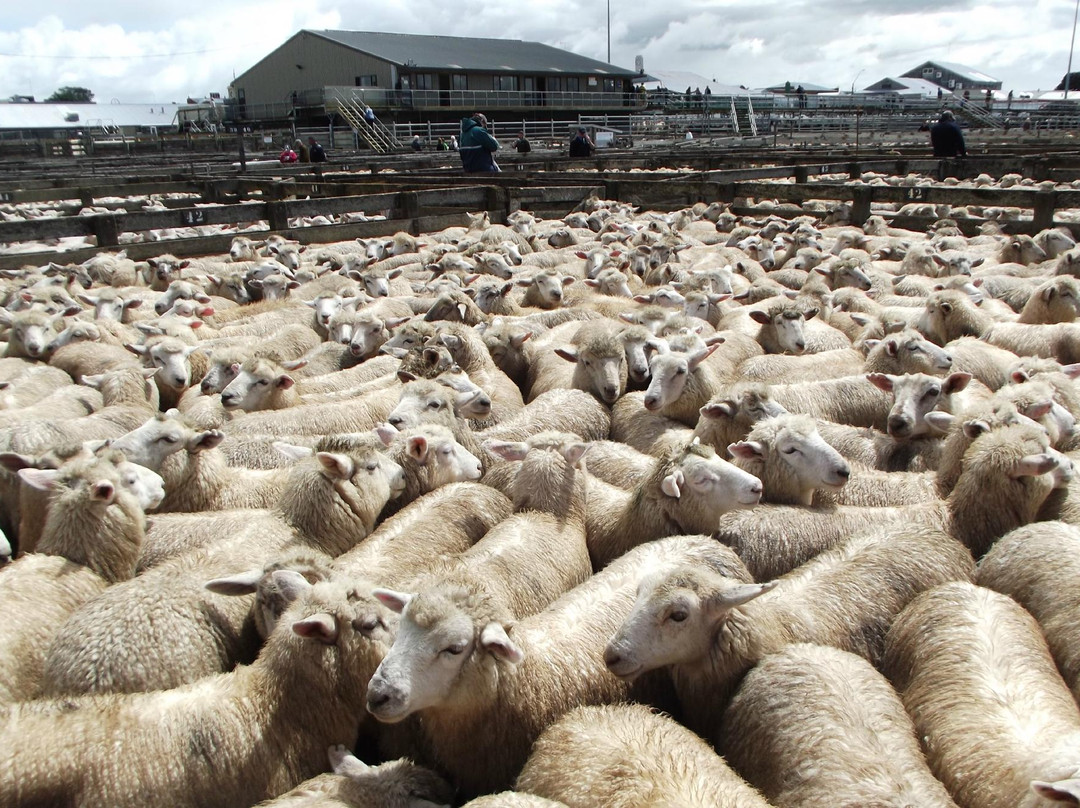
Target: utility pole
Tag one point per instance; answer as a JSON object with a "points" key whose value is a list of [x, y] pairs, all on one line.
{"points": [[1072, 42]]}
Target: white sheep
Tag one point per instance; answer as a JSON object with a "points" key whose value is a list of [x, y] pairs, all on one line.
{"points": [[816, 726], [462, 666], [991, 742], [624, 755]]}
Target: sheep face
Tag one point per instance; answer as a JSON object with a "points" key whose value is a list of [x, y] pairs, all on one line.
{"points": [[423, 403], [914, 395], [600, 368], [149, 444], [179, 290], [33, 332], [788, 326], [669, 373], [435, 448], [470, 400], [494, 264], [253, 385], [170, 357], [325, 306], [367, 337], [110, 306], [673, 621], [438, 647], [706, 487], [917, 354], [145, 485]]}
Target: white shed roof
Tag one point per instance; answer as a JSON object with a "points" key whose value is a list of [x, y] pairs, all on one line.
{"points": [[56, 116]]}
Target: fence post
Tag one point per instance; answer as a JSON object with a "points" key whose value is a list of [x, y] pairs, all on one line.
{"points": [[277, 214], [106, 229], [860, 204], [1043, 209]]}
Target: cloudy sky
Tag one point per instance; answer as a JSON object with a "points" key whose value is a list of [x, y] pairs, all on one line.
{"points": [[153, 51]]}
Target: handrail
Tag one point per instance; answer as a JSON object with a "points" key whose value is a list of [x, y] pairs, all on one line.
{"points": [[979, 114], [734, 117], [750, 115]]}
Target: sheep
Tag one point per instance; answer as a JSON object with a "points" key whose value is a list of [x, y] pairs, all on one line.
{"points": [[782, 328], [708, 630], [951, 314], [177, 365], [30, 334], [512, 799], [30, 387], [599, 365], [686, 490], [619, 756], [266, 726], [987, 363], [91, 539], [1054, 301], [394, 784], [109, 304], [917, 394], [992, 741], [560, 410], [791, 460], [331, 502], [1055, 241], [816, 726], [681, 383], [513, 679], [846, 400], [1031, 565], [544, 289]]}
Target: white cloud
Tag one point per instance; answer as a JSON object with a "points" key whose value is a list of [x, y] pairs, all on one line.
{"points": [[139, 51]]}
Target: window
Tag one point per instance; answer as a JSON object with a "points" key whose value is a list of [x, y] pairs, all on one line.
{"points": [[459, 81], [423, 81], [928, 71], [555, 84], [506, 82], [367, 81], [610, 86], [573, 84]]}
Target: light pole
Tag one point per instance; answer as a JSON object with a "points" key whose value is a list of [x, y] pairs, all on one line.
{"points": [[1068, 70], [609, 32], [863, 71]]}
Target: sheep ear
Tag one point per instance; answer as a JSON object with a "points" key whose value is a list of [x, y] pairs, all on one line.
{"points": [[1034, 465], [392, 600], [507, 450], [882, 381], [103, 491], [96, 380], [417, 447], [15, 462], [337, 466], [41, 479], [290, 583], [243, 583], [319, 627], [345, 763], [568, 353], [292, 451], [284, 381], [1072, 371], [759, 316], [386, 433], [574, 452], [495, 640], [670, 484], [718, 409], [1063, 791], [956, 382], [723, 602], [698, 357], [205, 440], [940, 421], [294, 364]]}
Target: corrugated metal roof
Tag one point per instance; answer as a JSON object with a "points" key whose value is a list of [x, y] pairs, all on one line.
{"points": [[448, 53], [678, 80], [90, 116], [913, 86]]}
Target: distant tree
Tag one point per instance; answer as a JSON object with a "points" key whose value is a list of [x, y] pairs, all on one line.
{"points": [[71, 95], [1074, 82]]}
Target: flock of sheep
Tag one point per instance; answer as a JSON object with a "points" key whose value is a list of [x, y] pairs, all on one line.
{"points": [[624, 509]]}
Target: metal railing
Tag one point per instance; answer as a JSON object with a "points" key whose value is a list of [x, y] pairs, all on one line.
{"points": [[472, 100], [350, 105]]}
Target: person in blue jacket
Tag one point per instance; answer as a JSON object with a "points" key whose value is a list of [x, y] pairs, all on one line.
{"points": [[476, 145]]}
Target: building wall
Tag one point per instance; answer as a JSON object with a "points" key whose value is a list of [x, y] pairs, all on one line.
{"points": [[959, 83], [324, 64]]}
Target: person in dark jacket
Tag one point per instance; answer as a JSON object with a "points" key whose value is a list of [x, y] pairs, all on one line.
{"points": [[476, 145], [946, 137], [581, 145]]}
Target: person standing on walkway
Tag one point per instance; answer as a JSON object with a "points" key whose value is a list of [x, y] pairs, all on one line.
{"points": [[946, 137], [476, 145]]}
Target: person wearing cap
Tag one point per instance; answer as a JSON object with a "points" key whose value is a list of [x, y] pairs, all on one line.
{"points": [[476, 146], [946, 137], [581, 145]]}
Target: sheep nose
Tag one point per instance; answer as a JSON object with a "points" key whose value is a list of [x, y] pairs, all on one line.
{"points": [[651, 403], [801, 345], [756, 488], [557, 295], [611, 657], [377, 700], [844, 471], [206, 388], [610, 394], [899, 426], [395, 421]]}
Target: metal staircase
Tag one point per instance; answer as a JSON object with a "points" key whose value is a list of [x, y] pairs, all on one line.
{"points": [[977, 115], [743, 121], [350, 107]]}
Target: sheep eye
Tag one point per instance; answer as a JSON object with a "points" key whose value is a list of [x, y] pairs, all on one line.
{"points": [[454, 650], [371, 466], [366, 624], [790, 450], [434, 405], [168, 439], [678, 617], [933, 391], [264, 382], [680, 372]]}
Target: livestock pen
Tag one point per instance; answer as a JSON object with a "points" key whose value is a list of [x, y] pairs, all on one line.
{"points": [[404, 463]]}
